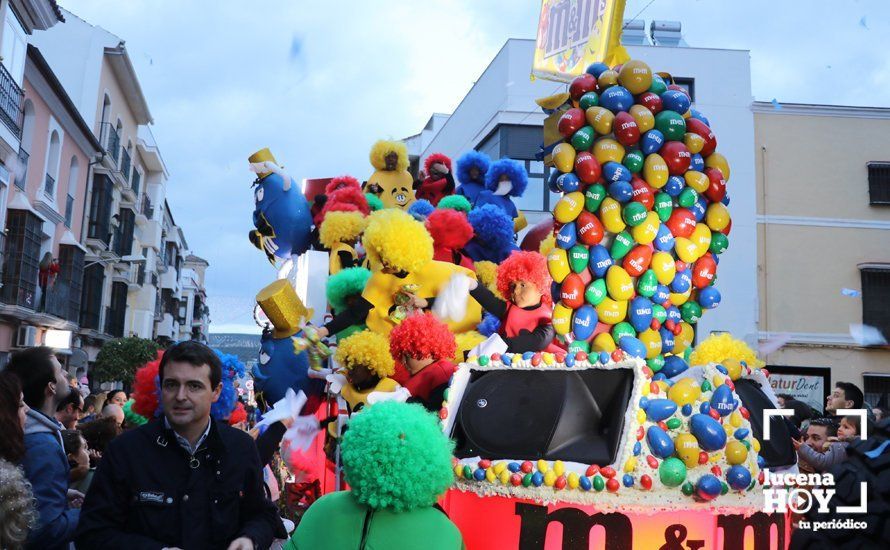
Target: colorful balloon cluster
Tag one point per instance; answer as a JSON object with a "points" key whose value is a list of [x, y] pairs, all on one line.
{"points": [[643, 217]]}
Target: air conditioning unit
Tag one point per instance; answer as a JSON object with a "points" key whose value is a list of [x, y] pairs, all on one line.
{"points": [[26, 336]]}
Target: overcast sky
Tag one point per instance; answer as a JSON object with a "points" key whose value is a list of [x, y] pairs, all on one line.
{"points": [[318, 82]]}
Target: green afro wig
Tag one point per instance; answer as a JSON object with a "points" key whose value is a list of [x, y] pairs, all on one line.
{"points": [[455, 202], [347, 282], [396, 456], [374, 202], [131, 416]]}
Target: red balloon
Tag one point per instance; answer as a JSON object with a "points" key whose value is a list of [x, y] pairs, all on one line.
{"points": [[590, 229], [651, 101], [681, 223], [537, 233], [680, 265], [643, 193], [587, 168], [570, 122], [626, 130], [727, 229], [704, 271], [581, 85], [679, 89], [637, 260], [677, 157], [696, 126], [571, 291], [717, 188]]}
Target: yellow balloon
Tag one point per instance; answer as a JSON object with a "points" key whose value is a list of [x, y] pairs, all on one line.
{"points": [[735, 419], [645, 119], [683, 340], [664, 267], [607, 79], [611, 312], [646, 232], [652, 340], [680, 298], [610, 215], [697, 181], [718, 161], [687, 114], [687, 449], [608, 150], [564, 157], [655, 171], [604, 342], [636, 76], [717, 216], [686, 249], [562, 319], [619, 283], [569, 207], [717, 380], [736, 453], [734, 368], [684, 392], [694, 142], [558, 264], [601, 119], [756, 444], [701, 236]]}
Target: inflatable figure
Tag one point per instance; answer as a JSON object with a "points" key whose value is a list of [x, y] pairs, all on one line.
{"points": [[471, 169], [281, 217]]}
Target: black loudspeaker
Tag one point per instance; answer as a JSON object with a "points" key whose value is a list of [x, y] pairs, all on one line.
{"points": [[778, 451], [565, 415]]}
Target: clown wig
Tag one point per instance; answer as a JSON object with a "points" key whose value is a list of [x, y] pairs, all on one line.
{"points": [[472, 159], [238, 414], [341, 227], [341, 182], [489, 325], [487, 274], [131, 417], [366, 348], [146, 389], [383, 147], [455, 202], [396, 239], [395, 456], [421, 336], [525, 266], [420, 209], [347, 199], [717, 348], [374, 202], [436, 158], [348, 282], [449, 229], [512, 169], [493, 231], [232, 369]]}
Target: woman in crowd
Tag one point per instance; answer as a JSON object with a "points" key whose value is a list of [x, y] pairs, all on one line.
{"points": [[17, 513]]}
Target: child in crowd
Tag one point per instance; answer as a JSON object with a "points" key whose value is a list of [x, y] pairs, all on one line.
{"points": [[367, 366], [423, 347], [820, 451], [77, 451], [451, 231]]}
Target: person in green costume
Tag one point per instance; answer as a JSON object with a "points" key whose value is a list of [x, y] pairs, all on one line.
{"points": [[397, 462], [342, 290]]}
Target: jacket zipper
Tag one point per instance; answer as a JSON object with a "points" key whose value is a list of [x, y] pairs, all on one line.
{"points": [[366, 527]]}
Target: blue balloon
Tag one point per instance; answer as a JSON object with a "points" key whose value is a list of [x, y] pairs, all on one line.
{"points": [[632, 346], [673, 314], [651, 142], [686, 409], [675, 100], [600, 260], [708, 487], [660, 409], [551, 181], [662, 294], [664, 239], [537, 479], [699, 208], [570, 360], [682, 281], [279, 367], [708, 432], [616, 99], [604, 357], [584, 322], [722, 401], [660, 443], [479, 474], [514, 467], [709, 297], [615, 171], [628, 480], [621, 191], [568, 183], [674, 185], [741, 433], [567, 236], [697, 114], [704, 408], [667, 340], [738, 477], [637, 448], [697, 163], [640, 313], [596, 69], [674, 365]]}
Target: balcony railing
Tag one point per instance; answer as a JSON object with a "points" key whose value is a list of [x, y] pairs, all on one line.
{"points": [[125, 165], [56, 300], [49, 187], [110, 140], [137, 181], [147, 209], [10, 102], [21, 176]]}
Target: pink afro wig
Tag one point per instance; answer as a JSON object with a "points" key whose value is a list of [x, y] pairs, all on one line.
{"points": [[525, 266], [433, 159], [421, 335], [347, 199], [335, 183], [145, 388], [449, 228]]}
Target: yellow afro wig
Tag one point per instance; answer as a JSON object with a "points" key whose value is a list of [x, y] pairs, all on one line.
{"points": [[393, 237], [717, 348], [548, 244], [341, 227], [366, 348], [383, 147], [465, 342], [487, 274]]}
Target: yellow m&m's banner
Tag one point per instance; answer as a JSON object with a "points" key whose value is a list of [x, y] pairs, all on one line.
{"points": [[572, 34]]}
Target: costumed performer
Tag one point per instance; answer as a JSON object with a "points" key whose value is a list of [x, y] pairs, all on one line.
{"points": [[471, 169], [423, 347], [397, 463], [492, 235], [338, 233], [367, 365], [421, 209], [438, 183], [456, 202], [505, 178], [344, 194], [391, 182], [343, 290], [451, 231]]}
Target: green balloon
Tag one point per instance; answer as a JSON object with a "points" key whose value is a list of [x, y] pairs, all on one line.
{"points": [[593, 197], [664, 205], [578, 258], [674, 423], [588, 100], [687, 197], [656, 363], [583, 138], [724, 488], [634, 213], [691, 312], [623, 329], [719, 243], [622, 244], [527, 480], [599, 483], [634, 161], [647, 284], [672, 472], [658, 85], [468, 472], [705, 385], [596, 292], [579, 345], [659, 313], [687, 489], [671, 124], [687, 353]]}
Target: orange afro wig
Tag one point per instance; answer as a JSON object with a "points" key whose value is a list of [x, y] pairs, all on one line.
{"points": [[341, 182], [420, 336], [525, 266], [436, 158], [449, 228]]}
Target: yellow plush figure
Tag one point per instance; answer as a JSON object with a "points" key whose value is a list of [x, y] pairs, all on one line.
{"points": [[391, 182]]}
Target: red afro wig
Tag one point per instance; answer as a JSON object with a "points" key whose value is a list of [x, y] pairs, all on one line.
{"points": [[449, 228], [344, 181], [420, 336], [346, 199], [435, 158], [238, 414], [145, 388], [525, 266]]}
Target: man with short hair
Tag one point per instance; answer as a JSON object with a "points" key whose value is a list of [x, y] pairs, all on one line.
{"points": [[45, 386], [70, 410], [846, 395], [818, 432], [114, 411], [181, 481]]}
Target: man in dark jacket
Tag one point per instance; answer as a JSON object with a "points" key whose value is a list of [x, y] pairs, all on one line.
{"points": [[44, 386], [182, 481]]}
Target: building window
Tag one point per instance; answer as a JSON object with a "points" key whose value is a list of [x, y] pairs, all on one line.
{"points": [[100, 208], [877, 391], [878, 182], [116, 312], [687, 84], [93, 281], [123, 244], [876, 297], [22, 258], [71, 262]]}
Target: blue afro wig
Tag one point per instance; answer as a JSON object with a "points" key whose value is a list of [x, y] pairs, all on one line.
{"points": [[469, 160], [420, 209], [493, 230], [512, 169], [489, 325], [232, 369]]}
